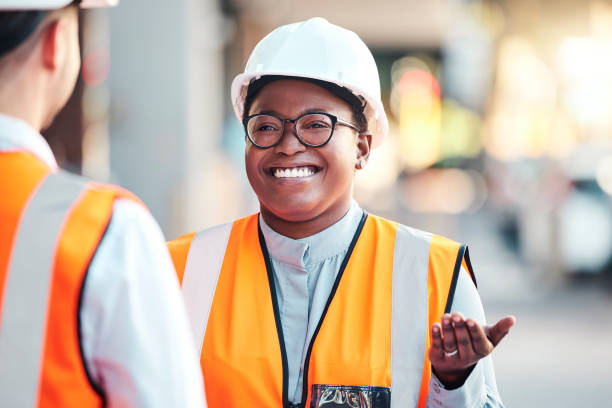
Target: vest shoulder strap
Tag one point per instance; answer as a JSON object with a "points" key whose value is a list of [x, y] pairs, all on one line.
{"points": [[201, 272], [59, 232], [118, 192], [84, 230], [179, 249], [425, 267], [27, 289], [445, 260]]}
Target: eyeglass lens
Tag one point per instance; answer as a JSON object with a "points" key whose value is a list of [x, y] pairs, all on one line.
{"points": [[313, 129]]}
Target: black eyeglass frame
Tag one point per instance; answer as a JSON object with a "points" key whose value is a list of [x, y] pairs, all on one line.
{"points": [[334, 119]]}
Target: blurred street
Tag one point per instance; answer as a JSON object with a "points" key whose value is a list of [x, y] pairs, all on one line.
{"points": [[559, 354]]}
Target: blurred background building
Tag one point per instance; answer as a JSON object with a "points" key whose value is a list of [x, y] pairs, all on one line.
{"points": [[501, 136]]}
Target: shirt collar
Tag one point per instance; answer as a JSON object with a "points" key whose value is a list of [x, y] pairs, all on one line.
{"points": [[17, 135], [332, 241]]}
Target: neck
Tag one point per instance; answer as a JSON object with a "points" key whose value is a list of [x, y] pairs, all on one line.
{"points": [[305, 228], [22, 97]]}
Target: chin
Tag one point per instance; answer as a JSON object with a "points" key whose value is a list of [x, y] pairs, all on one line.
{"points": [[293, 213]]}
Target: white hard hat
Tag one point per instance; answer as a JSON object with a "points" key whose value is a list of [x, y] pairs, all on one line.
{"points": [[319, 50], [52, 4]]}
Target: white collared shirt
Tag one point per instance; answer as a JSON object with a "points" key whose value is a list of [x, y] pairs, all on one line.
{"points": [[304, 273], [134, 331]]}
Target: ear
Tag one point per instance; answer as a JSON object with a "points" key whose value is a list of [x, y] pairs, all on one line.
{"points": [[364, 144], [52, 47]]}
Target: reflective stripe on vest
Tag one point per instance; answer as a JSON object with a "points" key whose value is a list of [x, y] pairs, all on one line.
{"points": [[52, 238], [27, 289], [200, 279], [374, 333]]}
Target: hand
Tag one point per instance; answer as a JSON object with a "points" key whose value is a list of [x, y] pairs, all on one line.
{"points": [[457, 344]]}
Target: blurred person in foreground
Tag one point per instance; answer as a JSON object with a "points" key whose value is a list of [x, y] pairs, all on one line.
{"points": [[90, 309], [313, 302]]}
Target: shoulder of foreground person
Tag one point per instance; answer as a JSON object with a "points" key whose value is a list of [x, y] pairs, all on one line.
{"points": [[136, 341]]}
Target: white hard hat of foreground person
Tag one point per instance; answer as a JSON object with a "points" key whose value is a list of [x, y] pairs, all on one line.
{"points": [[320, 50], [52, 4]]}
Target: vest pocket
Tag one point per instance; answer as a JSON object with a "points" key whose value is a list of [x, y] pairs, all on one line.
{"points": [[348, 396]]}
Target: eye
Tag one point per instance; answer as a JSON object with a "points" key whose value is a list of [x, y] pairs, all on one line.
{"points": [[317, 125], [264, 124], [267, 128], [315, 122]]}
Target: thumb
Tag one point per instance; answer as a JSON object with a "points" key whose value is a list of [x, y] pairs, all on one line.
{"points": [[498, 331]]}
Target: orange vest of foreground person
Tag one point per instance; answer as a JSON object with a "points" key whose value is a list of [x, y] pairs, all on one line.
{"points": [[372, 340], [51, 224]]}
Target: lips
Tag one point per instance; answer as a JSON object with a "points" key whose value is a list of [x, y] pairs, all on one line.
{"points": [[293, 171]]}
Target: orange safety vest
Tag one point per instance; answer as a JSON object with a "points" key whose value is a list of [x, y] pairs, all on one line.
{"points": [[51, 224], [395, 282]]}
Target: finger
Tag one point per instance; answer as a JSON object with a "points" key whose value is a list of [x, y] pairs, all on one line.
{"points": [[463, 338], [480, 343], [498, 331], [449, 343], [437, 351]]}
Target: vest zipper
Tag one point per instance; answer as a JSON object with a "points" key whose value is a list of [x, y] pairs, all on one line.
{"points": [[279, 328], [329, 300]]}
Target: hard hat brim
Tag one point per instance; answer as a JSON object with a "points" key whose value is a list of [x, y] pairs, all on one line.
{"points": [[52, 4], [241, 82], [98, 3]]}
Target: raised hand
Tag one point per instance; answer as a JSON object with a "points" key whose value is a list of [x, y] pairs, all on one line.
{"points": [[458, 343]]}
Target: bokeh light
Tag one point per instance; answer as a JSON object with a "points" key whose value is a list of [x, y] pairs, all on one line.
{"points": [[96, 66]]}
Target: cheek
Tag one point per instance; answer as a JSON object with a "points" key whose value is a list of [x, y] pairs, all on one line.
{"points": [[339, 178], [347, 170], [343, 157], [252, 158]]}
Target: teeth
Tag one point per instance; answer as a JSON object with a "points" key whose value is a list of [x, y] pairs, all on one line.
{"points": [[294, 172]]}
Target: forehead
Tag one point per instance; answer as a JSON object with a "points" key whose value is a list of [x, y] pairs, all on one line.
{"points": [[293, 97]]}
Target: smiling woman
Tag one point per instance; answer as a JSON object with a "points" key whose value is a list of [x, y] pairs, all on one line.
{"points": [[313, 301], [300, 206]]}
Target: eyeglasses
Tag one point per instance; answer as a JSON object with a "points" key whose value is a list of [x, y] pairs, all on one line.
{"points": [[312, 129]]}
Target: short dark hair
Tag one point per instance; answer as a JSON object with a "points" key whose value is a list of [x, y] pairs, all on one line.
{"points": [[17, 26], [356, 103]]}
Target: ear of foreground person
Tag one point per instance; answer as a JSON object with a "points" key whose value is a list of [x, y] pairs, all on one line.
{"points": [[90, 309]]}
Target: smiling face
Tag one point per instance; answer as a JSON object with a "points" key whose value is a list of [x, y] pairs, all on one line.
{"points": [[302, 190]]}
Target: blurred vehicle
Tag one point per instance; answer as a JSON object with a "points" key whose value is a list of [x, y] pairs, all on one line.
{"points": [[585, 216], [585, 229]]}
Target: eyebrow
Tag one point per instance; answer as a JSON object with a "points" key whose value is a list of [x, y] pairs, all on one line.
{"points": [[275, 113]]}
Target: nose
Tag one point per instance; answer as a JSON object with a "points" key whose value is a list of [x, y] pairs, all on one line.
{"points": [[289, 143]]}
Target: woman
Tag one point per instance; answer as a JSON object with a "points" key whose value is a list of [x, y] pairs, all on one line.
{"points": [[313, 302]]}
